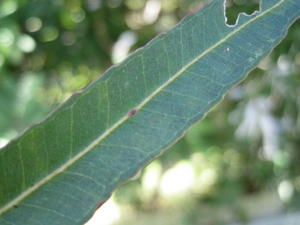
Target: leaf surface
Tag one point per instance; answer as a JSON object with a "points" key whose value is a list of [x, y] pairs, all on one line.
{"points": [[59, 170]]}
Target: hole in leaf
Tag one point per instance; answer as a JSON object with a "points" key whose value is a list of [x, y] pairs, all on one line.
{"points": [[234, 7]]}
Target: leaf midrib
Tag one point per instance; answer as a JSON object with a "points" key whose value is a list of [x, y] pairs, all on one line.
{"points": [[126, 117]]}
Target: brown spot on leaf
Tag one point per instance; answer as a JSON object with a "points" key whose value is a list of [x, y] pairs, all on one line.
{"points": [[132, 112]]}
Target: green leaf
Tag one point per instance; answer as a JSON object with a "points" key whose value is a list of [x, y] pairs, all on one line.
{"points": [[59, 170]]}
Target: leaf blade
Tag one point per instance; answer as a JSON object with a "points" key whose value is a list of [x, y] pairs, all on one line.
{"points": [[100, 131]]}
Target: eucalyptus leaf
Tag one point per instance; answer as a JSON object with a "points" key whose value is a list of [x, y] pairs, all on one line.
{"points": [[59, 171]]}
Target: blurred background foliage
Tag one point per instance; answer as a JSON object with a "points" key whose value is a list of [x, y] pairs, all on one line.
{"points": [[241, 161]]}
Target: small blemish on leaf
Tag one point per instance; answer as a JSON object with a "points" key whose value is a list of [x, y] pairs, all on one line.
{"points": [[132, 112], [16, 206], [227, 50]]}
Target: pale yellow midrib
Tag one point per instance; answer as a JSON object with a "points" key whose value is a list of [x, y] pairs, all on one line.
{"points": [[123, 119]]}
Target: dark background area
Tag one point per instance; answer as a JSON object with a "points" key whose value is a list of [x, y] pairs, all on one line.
{"points": [[241, 161]]}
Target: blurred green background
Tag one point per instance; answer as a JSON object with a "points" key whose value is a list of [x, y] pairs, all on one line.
{"points": [[241, 162]]}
